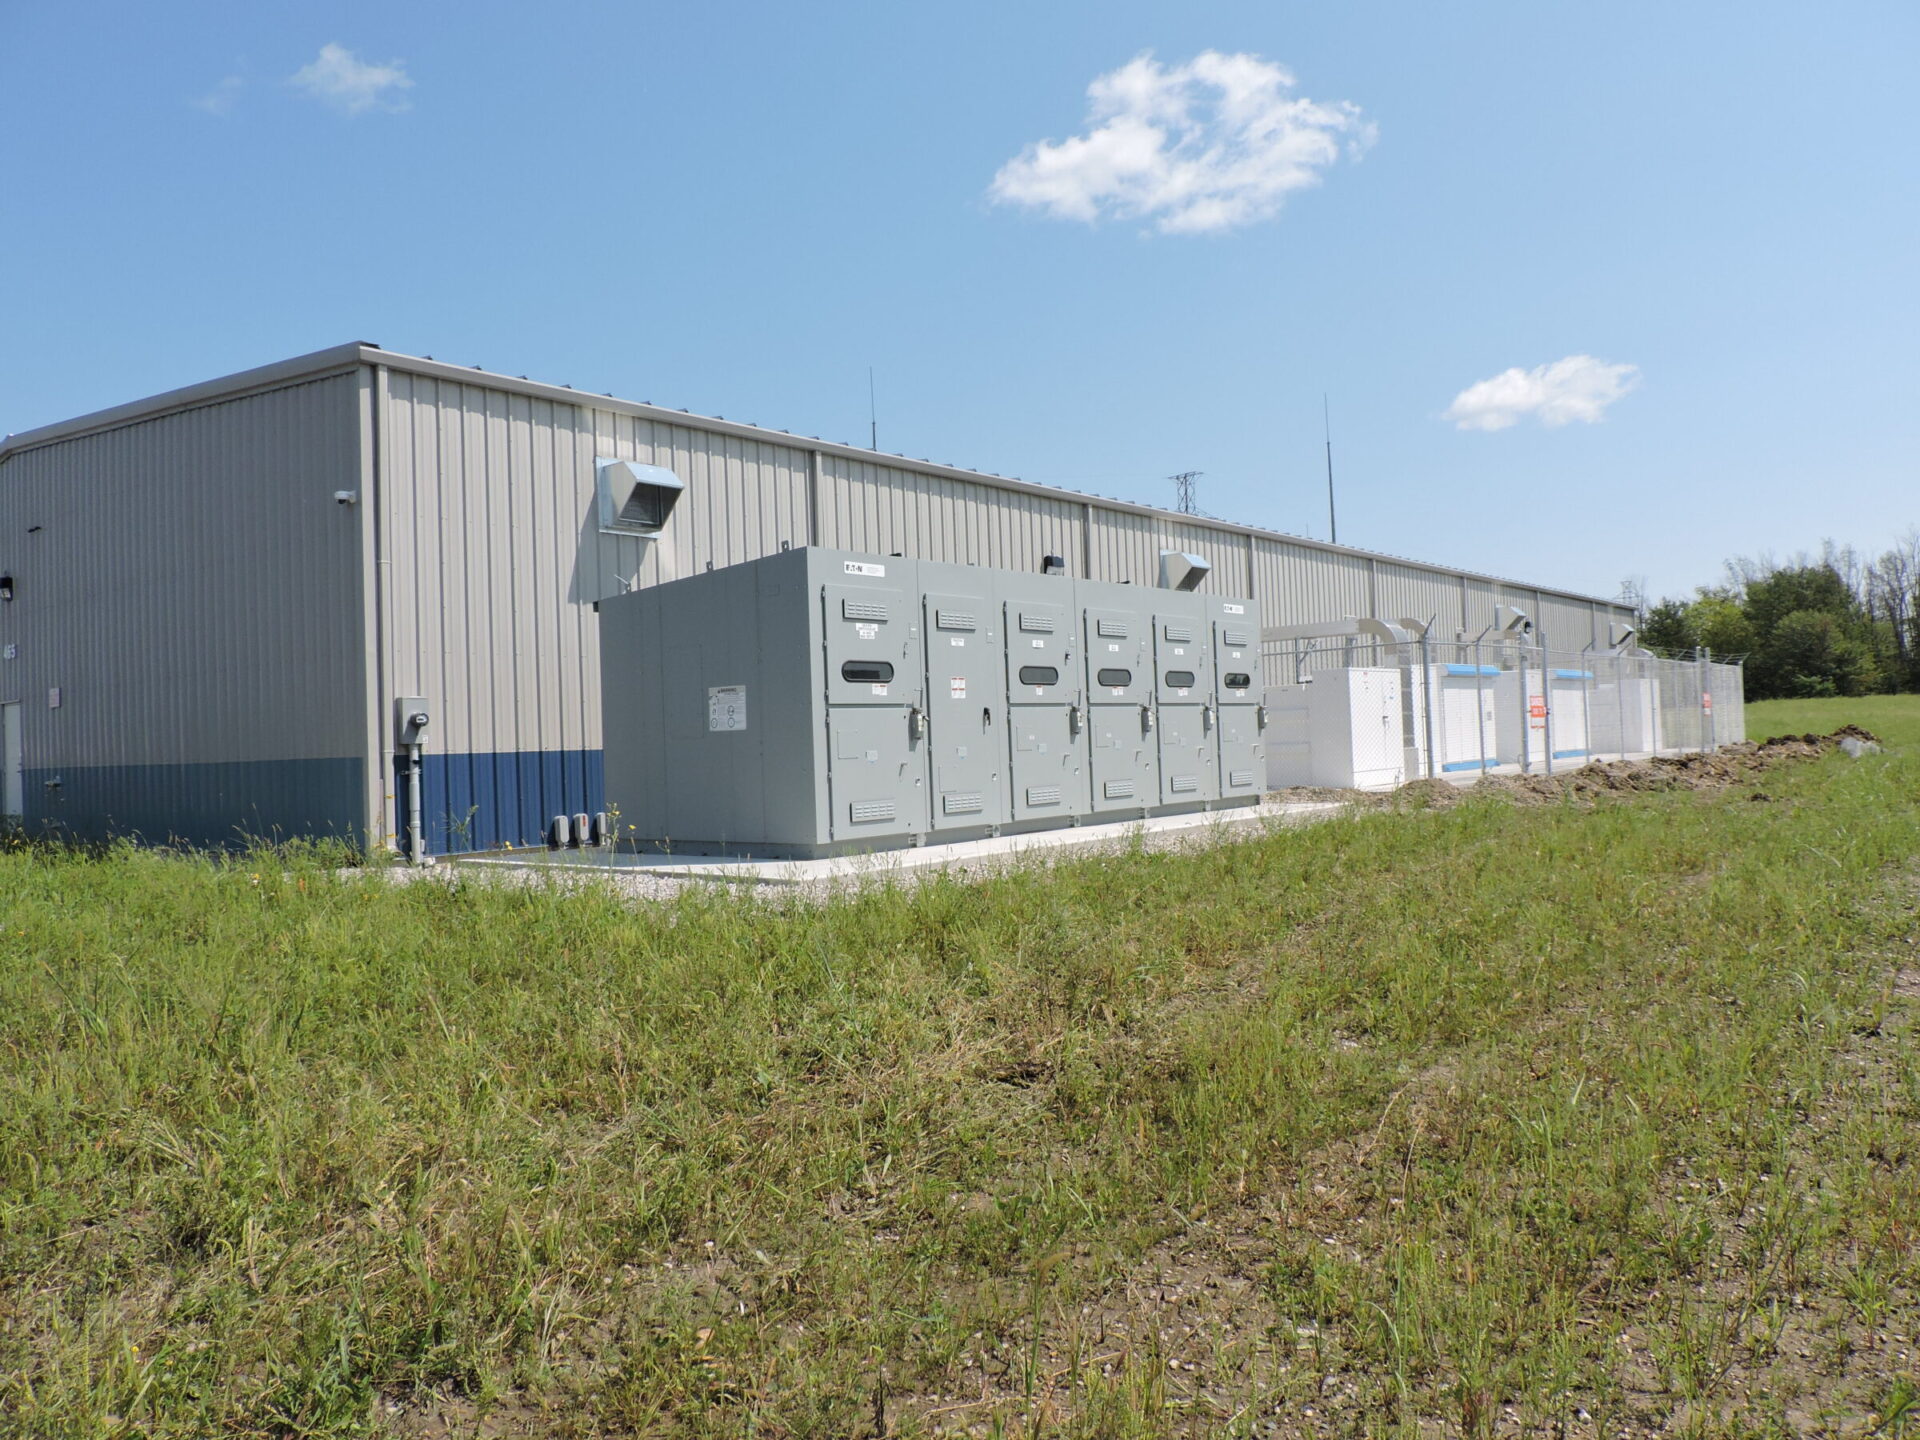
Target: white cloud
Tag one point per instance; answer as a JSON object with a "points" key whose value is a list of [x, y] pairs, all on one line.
{"points": [[353, 86], [1576, 388], [221, 99], [1216, 143]]}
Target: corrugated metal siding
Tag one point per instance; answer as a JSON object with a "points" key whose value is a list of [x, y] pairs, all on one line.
{"points": [[1126, 546], [885, 510], [1568, 624], [494, 557], [1297, 583], [192, 589], [1483, 596], [1418, 594]]}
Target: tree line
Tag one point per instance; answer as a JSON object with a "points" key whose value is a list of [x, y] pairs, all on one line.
{"points": [[1837, 623]]}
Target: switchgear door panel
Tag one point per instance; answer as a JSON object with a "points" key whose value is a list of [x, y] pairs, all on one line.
{"points": [[1049, 773], [1243, 751], [1237, 662], [1041, 657], [1125, 756], [1119, 657], [878, 775], [872, 645], [1183, 660], [1189, 756], [966, 711]]}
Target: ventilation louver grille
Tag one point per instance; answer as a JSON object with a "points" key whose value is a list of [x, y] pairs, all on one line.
{"points": [[1235, 638], [1043, 795], [1119, 789], [864, 811], [1037, 624], [1241, 780], [967, 803], [1179, 634], [1184, 784], [955, 620], [862, 610], [1114, 629], [635, 499]]}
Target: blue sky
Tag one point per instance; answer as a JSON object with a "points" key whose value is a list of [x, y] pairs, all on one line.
{"points": [[1710, 213]]}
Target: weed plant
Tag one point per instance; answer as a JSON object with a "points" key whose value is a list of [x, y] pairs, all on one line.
{"points": [[1480, 1120]]}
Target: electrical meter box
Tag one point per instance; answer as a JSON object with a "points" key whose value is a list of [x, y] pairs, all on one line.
{"points": [[821, 702]]}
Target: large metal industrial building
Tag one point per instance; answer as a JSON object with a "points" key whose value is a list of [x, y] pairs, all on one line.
{"points": [[210, 600]]}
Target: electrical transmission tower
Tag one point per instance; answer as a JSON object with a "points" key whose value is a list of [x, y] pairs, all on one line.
{"points": [[1183, 492]]}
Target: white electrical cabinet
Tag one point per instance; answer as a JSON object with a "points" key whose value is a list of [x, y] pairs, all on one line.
{"points": [[1466, 721], [1344, 730]]}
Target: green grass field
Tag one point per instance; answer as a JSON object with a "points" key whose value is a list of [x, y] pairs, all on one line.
{"points": [[1491, 1119]]}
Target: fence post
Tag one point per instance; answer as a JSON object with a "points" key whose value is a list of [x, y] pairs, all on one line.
{"points": [[1546, 700], [1480, 701], [1426, 691]]}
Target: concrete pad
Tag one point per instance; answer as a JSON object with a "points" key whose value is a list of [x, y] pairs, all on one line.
{"points": [[1157, 832]]}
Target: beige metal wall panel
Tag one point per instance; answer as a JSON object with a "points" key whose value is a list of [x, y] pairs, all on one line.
{"points": [[1569, 624], [189, 589], [885, 510], [1296, 584], [493, 559], [1483, 597], [744, 499], [1418, 594], [1126, 547]]}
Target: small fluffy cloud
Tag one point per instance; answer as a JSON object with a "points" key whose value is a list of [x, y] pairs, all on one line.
{"points": [[221, 99], [1210, 145], [1576, 388], [353, 86]]}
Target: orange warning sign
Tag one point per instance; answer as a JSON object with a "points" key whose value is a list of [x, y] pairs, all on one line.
{"points": [[1706, 700], [1537, 707]]}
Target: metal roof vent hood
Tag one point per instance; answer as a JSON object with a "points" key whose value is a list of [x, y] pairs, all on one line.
{"points": [[1180, 571], [635, 499]]}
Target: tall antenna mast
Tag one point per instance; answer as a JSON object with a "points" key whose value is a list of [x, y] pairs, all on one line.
{"points": [[1183, 500], [873, 414], [1326, 419]]}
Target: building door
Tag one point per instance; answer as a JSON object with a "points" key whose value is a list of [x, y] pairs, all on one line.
{"points": [[13, 792]]}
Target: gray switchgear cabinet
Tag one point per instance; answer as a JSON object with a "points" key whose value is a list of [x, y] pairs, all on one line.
{"points": [[820, 702]]}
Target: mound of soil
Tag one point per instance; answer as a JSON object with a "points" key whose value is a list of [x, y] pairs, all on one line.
{"points": [[1701, 771]]}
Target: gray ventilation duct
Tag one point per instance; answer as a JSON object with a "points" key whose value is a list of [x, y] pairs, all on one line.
{"points": [[1180, 571], [635, 499], [1511, 621]]}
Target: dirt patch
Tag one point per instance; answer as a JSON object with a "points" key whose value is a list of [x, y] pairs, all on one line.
{"points": [[1701, 771]]}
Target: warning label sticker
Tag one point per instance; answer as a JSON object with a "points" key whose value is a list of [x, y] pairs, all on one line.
{"points": [[1537, 712], [727, 707], [1706, 700], [957, 687]]}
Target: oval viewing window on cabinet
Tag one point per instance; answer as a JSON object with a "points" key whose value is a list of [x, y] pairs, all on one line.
{"points": [[866, 672], [1180, 679], [1237, 680], [1115, 678], [1039, 675]]}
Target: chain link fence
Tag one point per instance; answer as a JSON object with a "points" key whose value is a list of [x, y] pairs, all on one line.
{"points": [[1356, 711]]}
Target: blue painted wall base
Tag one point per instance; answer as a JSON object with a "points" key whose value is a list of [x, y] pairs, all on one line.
{"points": [[485, 801], [220, 805]]}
